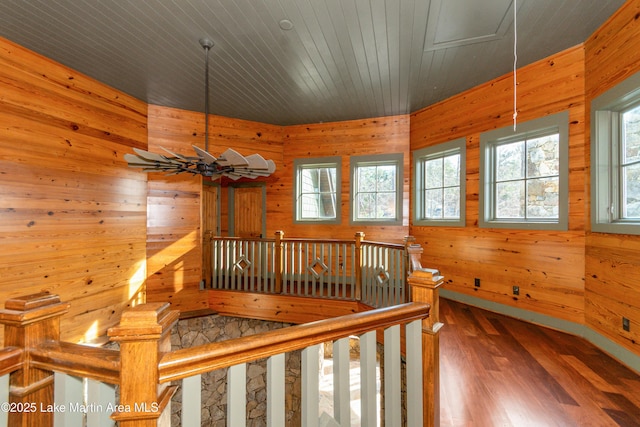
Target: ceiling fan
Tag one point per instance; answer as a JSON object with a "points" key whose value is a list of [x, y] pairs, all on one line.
{"points": [[230, 163]]}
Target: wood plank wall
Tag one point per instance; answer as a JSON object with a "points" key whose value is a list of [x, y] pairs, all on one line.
{"points": [[547, 266], [72, 214], [174, 203], [612, 262], [382, 135]]}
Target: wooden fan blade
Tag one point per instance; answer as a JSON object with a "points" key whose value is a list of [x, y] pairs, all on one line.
{"points": [[150, 156], [232, 158], [132, 159], [208, 158], [272, 166], [180, 156], [256, 161]]}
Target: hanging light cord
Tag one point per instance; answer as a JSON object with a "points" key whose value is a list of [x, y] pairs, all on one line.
{"points": [[515, 63]]}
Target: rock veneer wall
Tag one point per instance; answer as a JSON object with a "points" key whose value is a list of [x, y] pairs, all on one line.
{"points": [[214, 328]]}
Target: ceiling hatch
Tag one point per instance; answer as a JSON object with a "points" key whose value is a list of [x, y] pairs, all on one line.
{"points": [[460, 22]]}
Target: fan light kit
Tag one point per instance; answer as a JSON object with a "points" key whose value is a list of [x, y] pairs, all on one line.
{"points": [[230, 163]]}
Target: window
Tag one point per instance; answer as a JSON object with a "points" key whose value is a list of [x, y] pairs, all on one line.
{"points": [[376, 189], [317, 190], [615, 159], [439, 184], [524, 174]]}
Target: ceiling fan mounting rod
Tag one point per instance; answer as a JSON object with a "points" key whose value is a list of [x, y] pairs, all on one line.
{"points": [[206, 44]]}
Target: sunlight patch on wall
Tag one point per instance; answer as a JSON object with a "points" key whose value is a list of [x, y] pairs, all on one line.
{"points": [[178, 276], [92, 332], [169, 262], [136, 284]]}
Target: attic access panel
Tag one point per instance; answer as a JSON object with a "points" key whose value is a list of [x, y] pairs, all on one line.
{"points": [[454, 23]]}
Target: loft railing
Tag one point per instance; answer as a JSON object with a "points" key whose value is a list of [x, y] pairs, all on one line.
{"points": [[46, 382], [358, 270]]}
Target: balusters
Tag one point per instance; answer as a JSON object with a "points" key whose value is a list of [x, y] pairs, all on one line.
{"points": [[4, 397], [275, 391], [310, 385], [191, 401]]}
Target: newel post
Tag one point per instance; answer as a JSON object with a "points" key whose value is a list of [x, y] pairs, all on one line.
{"points": [[279, 261], [425, 284], [143, 335], [28, 321]]}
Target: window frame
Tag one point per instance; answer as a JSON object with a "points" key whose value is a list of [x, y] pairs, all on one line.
{"points": [[355, 162], [553, 123], [315, 163], [606, 141], [457, 146]]}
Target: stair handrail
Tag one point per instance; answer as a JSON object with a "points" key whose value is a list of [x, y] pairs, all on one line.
{"points": [[190, 361]]}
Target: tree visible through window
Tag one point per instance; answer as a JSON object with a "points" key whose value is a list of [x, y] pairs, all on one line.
{"points": [[317, 190], [442, 187], [439, 184], [524, 175], [376, 188], [615, 159], [376, 195], [630, 163], [527, 178]]}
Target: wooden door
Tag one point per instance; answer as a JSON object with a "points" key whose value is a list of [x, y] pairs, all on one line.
{"points": [[210, 227], [248, 211]]}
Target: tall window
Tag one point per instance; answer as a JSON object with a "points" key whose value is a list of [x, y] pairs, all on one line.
{"points": [[317, 190], [376, 189], [524, 175], [439, 184], [615, 159]]}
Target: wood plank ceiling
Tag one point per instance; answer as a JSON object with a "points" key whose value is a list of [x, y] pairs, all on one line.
{"points": [[342, 59]]}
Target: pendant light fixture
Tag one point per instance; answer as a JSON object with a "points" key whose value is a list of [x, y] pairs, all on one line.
{"points": [[230, 163]]}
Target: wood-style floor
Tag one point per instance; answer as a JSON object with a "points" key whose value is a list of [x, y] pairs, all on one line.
{"points": [[499, 371]]}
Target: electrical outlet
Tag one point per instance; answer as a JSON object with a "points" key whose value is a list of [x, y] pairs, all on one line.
{"points": [[516, 290], [625, 324], [476, 282]]}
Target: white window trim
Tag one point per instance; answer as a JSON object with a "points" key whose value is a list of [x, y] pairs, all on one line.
{"points": [[398, 159], [558, 122], [605, 138], [457, 146], [334, 161]]}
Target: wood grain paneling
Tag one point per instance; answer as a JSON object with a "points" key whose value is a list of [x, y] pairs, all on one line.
{"points": [[383, 135], [612, 280], [72, 214], [173, 225], [547, 266], [279, 308]]}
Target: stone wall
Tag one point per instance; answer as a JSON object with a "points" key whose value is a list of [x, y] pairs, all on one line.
{"points": [[215, 328]]}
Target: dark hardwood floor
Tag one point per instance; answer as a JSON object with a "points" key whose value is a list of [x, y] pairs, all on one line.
{"points": [[499, 371]]}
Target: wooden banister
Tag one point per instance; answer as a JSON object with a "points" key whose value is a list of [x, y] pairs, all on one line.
{"points": [[98, 364], [143, 334], [425, 284], [29, 321], [11, 359], [196, 360]]}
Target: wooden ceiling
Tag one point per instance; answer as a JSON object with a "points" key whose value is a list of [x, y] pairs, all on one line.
{"points": [[340, 60]]}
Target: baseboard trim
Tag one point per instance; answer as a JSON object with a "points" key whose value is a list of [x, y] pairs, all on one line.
{"points": [[624, 356]]}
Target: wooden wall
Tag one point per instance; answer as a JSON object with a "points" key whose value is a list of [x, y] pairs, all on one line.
{"points": [[612, 287], [547, 266], [383, 135], [174, 202], [72, 214]]}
